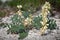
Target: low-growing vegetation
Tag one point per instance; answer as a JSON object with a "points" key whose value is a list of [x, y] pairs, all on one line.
{"points": [[23, 21]]}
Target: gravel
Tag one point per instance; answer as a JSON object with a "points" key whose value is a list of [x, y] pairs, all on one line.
{"points": [[32, 34]]}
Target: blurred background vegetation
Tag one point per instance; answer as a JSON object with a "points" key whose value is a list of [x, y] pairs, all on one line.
{"points": [[29, 5]]}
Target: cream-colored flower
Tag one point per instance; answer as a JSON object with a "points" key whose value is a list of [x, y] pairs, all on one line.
{"points": [[47, 24], [19, 13], [42, 22], [44, 14], [27, 21], [19, 6]]}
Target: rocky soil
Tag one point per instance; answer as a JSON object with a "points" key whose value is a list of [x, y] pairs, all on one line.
{"points": [[33, 34]]}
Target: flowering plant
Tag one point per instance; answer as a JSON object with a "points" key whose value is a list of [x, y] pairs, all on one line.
{"points": [[23, 21]]}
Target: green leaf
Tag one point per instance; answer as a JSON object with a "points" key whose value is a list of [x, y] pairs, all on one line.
{"points": [[23, 35]]}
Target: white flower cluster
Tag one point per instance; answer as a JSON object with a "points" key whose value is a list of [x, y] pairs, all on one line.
{"points": [[45, 11], [19, 6]]}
